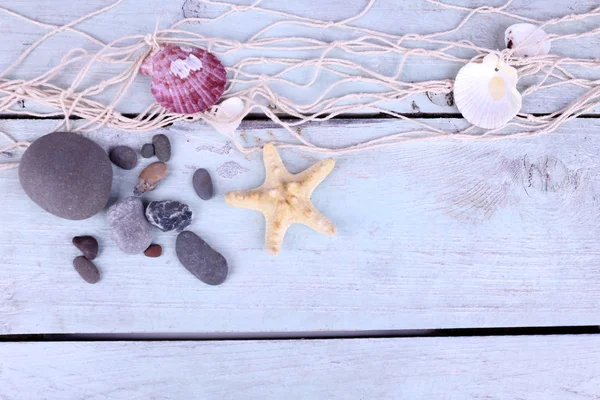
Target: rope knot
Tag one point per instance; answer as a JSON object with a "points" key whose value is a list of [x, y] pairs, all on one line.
{"points": [[67, 93], [151, 41], [20, 91], [329, 24]]}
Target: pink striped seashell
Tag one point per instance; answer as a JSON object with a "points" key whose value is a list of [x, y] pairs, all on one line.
{"points": [[186, 80], [146, 67]]}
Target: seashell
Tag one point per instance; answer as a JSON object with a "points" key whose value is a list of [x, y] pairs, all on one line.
{"points": [[186, 80], [527, 40], [228, 115], [441, 99], [486, 93], [146, 66]]}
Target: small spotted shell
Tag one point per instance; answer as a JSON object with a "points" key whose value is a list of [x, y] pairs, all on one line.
{"points": [[528, 40], [185, 80]]}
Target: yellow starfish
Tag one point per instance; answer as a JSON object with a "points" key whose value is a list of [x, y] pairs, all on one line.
{"points": [[284, 198]]}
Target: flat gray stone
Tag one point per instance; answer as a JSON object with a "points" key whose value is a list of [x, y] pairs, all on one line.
{"points": [[67, 175], [86, 269], [162, 147], [203, 184], [130, 229], [200, 259]]}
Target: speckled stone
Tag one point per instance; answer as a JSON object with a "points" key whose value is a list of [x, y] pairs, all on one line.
{"points": [[148, 150], [169, 215], [154, 251], [88, 245], [162, 147], [67, 175], [124, 157], [203, 184], [200, 259], [130, 229], [86, 269]]}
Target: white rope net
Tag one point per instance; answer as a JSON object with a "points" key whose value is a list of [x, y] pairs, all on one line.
{"points": [[344, 60]]}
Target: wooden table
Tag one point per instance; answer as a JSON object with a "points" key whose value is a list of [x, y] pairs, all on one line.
{"points": [[459, 271]]}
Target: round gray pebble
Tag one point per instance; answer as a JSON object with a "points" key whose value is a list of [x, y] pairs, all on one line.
{"points": [[162, 147], [147, 150], [67, 175], [86, 269], [203, 184], [124, 157], [200, 259]]}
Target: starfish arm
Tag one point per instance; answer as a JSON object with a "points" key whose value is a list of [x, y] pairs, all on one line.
{"points": [[274, 167], [312, 218], [275, 230], [314, 175], [245, 199]]}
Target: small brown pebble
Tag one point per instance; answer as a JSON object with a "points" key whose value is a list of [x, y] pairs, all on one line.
{"points": [[88, 246], [86, 269], [147, 150], [153, 251], [150, 177]]}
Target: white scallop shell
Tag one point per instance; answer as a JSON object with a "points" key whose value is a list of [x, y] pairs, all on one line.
{"points": [[486, 93], [228, 115], [528, 40]]}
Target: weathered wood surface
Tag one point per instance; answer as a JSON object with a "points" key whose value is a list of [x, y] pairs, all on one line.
{"points": [[517, 367], [133, 17], [440, 234]]}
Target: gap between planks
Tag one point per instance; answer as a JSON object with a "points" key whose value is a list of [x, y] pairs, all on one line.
{"points": [[331, 335]]}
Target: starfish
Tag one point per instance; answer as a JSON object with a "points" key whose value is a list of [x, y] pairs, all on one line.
{"points": [[284, 198]]}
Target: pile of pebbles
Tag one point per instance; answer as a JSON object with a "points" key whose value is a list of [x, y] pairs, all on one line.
{"points": [[131, 222], [46, 174]]}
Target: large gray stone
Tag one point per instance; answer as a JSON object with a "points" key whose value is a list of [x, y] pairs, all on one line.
{"points": [[130, 229], [67, 175], [200, 259]]}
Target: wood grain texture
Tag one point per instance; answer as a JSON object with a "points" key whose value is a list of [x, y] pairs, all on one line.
{"points": [[517, 367], [441, 234], [391, 16]]}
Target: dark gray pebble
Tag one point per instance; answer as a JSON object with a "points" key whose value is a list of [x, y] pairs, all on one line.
{"points": [[162, 147], [88, 245], [124, 157], [67, 175], [203, 184], [169, 215], [86, 269], [147, 150], [200, 259]]}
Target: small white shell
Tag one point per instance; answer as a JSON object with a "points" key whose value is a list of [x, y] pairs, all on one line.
{"points": [[441, 99], [527, 40], [486, 93], [228, 116]]}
